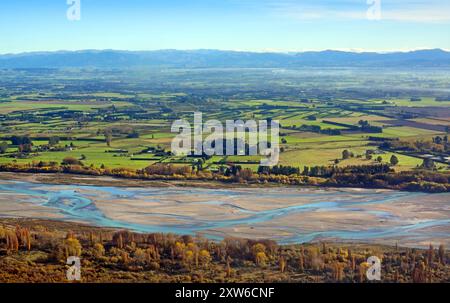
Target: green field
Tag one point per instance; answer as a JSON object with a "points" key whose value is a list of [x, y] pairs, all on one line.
{"points": [[317, 124]]}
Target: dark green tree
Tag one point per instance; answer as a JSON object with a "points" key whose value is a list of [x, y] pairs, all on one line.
{"points": [[394, 160]]}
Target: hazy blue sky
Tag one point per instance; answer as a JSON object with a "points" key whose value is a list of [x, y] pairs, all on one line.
{"points": [[255, 25]]}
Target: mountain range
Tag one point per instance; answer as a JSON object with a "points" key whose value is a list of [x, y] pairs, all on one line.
{"points": [[223, 59]]}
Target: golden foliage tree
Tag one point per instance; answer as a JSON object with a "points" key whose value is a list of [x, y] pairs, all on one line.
{"points": [[99, 250]]}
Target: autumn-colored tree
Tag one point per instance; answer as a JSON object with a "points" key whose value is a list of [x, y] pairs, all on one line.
{"points": [[396, 276], [120, 241], [301, 262], [192, 247], [25, 148], [99, 250], [324, 248], [140, 255], [282, 262], [442, 254], [72, 247], [172, 254], [2, 232], [179, 250], [353, 263], [12, 242], [122, 238], [205, 258], [257, 248], [362, 269], [108, 138], [24, 237], [315, 260], [246, 174], [27, 238], [125, 257], [152, 253], [91, 238], [69, 247], [419, 273], [71, 161], [228, 266], [338, 271], [430, 255], [188, 258], [261, 259]]}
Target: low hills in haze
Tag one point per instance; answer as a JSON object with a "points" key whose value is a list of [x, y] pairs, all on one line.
{"points": [[223, 59]]}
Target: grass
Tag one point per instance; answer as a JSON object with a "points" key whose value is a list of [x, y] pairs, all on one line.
{"points": [[300, 138], [425, 101], [315, 156], [8, 107], [405, 131], [92, 157]]}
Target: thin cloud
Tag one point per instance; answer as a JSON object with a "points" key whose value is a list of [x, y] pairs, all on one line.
{"points": [[391, 10], [425, 15]]}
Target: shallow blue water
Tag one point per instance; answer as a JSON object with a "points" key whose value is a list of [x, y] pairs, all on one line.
{"points": [[78, 203]]}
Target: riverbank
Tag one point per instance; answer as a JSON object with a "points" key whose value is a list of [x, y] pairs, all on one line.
{"points": [[35, 251], [374, 176], [164, 181], [78, 179]]}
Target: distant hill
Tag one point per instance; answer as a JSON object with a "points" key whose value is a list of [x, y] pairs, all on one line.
{"points": [[222, 59]]}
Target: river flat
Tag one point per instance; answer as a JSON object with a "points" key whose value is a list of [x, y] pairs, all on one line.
{"points": [[285, 214]]}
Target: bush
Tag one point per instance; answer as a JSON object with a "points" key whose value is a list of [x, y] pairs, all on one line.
{"points": [[71, 161]]}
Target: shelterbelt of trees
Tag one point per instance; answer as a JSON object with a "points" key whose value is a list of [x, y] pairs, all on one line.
{"points": [[37, 250], [364, 176]]}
